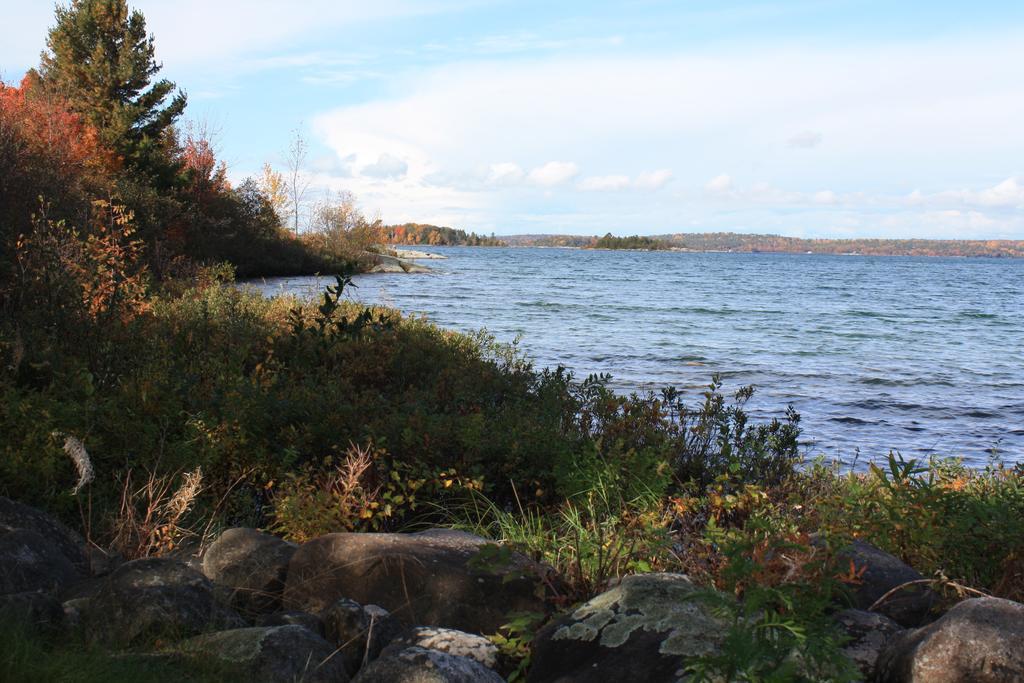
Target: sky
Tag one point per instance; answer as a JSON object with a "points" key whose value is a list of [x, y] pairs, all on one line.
{"points": [[816, 118]]}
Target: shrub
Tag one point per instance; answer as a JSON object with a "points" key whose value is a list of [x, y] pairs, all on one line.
{"points": [[364, 491], [939, 516], [718, 438]]}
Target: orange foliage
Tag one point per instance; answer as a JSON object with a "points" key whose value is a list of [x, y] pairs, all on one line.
{"points": [[48, 129], [207, 176]]}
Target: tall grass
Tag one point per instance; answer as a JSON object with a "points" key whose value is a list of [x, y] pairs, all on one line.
{"points": [[28, 657]]}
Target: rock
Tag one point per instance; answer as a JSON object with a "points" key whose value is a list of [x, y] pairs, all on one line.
{"points": [[73, 611], [416, 255], [102, 562], [868, 633], [271, 654], [252, 565], [447, 640], [882, 572], [154, 598], [382, 263], [641, 631], [422, 665], [304, 619], [14, 516], [428, 578], [38, 611], [359, 633], [31, 562], [980, 640]]}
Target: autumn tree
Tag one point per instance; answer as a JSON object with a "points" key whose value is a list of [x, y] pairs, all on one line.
{"points": [[298, 181], [50, 161], [341, 231], [101, 60], [274, 187]]}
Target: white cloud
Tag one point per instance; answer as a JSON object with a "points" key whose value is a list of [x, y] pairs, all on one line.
{"points": [[932, 114], [605, 183], [807, 139], [505, 173], [1007, 193], [653, 180], [553, 173], [386, 166], [720, 184]]}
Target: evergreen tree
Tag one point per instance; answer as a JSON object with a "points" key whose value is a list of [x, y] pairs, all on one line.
{"points": [[102, 60]]}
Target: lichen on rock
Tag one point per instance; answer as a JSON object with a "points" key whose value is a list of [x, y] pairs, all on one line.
{"points": [[658, 603]]}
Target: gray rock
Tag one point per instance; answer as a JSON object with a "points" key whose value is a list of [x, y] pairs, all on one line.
{"points": [[73, 611], [360, 634], [416, 255], [29, 562], [382, 263], [980, 640], [641, 631], [304, 619], [252, 565], [869, 633], [427, 578], [102, 562], [144, 600], [422, 665], [447, 640], [40, 612], [271, 654], [882, 572], [14, 515]]}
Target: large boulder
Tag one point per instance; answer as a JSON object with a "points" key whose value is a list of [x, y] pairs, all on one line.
{"points": [[868, 633], [980, 640], [305, 619], [149, 599], [37, 553], [641, 631], [881, 572], [447, 640], [359, 633], [252, 565], [271, 654], [432, 578], [423, 665], [32, 562], [15, 515]]}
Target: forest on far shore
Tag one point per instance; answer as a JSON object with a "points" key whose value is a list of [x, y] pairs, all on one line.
{"points": [[749, 243]]}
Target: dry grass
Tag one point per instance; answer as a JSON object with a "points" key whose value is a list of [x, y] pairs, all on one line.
{"points": [[152, 517], [338, 499]]}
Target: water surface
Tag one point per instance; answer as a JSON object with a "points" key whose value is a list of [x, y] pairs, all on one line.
{"points": [[920, 355]]}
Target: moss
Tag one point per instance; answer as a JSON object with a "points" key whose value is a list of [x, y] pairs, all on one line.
{"points": [[656, 603]]}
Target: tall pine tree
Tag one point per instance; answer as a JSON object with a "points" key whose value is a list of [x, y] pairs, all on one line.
{"points": [[102, 60]]}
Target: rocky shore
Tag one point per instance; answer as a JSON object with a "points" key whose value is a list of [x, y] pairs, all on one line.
{"points": [[418, 607], [383, 263]]}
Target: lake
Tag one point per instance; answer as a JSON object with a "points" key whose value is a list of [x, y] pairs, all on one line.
{"points": [[920, 355]]}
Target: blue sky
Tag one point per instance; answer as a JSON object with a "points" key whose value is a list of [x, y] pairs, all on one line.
{"points": [[817, 118]]}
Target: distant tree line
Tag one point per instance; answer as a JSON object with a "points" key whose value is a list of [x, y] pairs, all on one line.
{"points": [[747, 243], [610, 241], [435, 235]]}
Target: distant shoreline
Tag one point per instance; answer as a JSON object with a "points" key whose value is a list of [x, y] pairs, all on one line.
{"points": [[683, 250]]}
